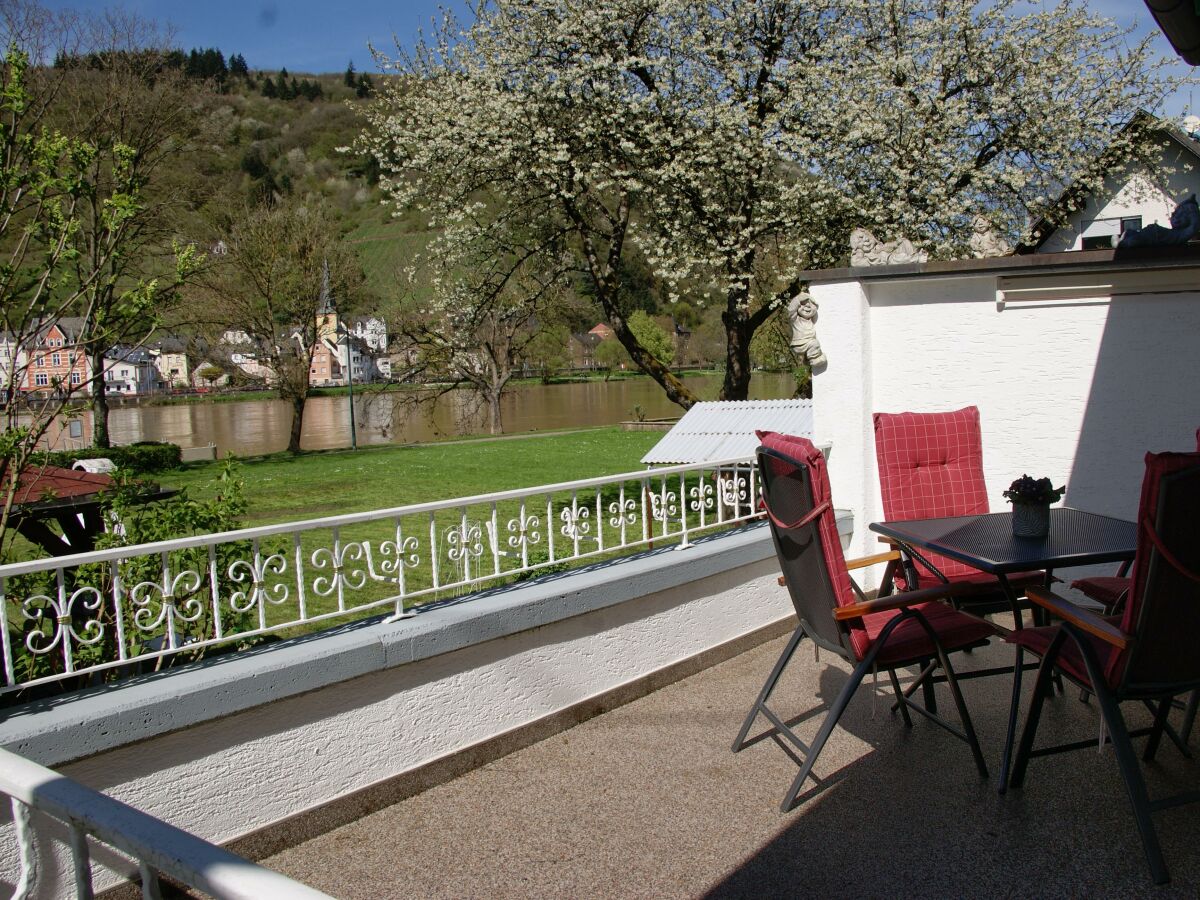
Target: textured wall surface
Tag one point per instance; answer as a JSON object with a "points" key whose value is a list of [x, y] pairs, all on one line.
{"points": [[225, 777], [1076, 390]]}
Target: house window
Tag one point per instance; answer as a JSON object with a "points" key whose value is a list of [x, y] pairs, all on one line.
{"points": [[41, 361], [1098, 242], [56, 359], [75, 378], [41, 379], [1131, 223]]}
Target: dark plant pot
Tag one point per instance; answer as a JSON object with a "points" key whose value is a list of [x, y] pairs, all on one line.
{"points": [[1031, 520]]}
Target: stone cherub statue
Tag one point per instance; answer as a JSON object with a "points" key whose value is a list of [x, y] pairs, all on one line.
{"points": [[984, 242], [868, 250], [1185, 223], [802, 312]]}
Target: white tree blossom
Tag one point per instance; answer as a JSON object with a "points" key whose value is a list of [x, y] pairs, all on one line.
{"points": [[735, 144]]}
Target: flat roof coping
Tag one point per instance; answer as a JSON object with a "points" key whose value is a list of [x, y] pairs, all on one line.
{"points": [[1121, 259]]}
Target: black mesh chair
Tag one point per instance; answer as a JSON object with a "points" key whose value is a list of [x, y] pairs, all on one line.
{"points": [[1148, 656], [909, 629]]}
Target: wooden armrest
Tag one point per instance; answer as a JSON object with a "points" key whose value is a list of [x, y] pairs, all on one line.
{"points": [[1085, 619], [897, 601], [863, 561], [860, 563], [891, 542]]}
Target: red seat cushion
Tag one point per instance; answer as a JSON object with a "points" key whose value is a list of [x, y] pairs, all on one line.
{"points": [[983, 582], [931, 466], [1070, 659], [909, 641], [1106, 589]]}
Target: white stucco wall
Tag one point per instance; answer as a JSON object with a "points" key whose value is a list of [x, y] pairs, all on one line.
{"points": [[1077, 389]]}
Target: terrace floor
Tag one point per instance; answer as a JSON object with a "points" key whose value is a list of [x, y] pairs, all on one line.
{"points": [[648, 801]]}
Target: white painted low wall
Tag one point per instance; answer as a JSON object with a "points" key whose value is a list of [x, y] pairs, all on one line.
{"points": [[231, 747], [1076, 388]]}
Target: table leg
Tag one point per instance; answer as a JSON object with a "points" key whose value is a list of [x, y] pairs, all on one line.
{"points": [[1011, 735]]}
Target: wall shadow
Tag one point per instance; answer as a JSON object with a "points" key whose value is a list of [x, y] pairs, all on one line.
{"points": [[1144, 396]]}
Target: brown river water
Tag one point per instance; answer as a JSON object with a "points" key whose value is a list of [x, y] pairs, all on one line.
{"points": [[251, 427]]}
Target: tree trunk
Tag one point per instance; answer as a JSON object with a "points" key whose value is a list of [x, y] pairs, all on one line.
{"points": [[100, 437], [297, 422], [736, 385], [494, 415], [676, 390]]}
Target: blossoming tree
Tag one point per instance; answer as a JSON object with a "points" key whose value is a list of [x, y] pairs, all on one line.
{"points": [[735, 145]]}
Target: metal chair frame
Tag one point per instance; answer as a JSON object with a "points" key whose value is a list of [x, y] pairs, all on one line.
{"points": [[842, 616], [1159, 698]]}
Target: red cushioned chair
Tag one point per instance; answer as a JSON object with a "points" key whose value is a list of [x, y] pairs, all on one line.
{"points": [[1110, 590], [931, 467], [1150, 656], [887, 633]]}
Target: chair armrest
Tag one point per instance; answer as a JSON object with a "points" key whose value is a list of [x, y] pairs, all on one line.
{"points": [[863, 561], [1085, 619], [860, 563], [898, 601]]}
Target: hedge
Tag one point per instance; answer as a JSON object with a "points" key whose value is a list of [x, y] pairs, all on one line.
{"points": [[140, 458]]}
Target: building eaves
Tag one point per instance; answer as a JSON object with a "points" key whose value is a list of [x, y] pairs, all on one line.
{"points": [[1076, 261]]}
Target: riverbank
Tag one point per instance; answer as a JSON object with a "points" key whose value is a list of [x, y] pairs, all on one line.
{"points": [[281, 487], [235, 396]]}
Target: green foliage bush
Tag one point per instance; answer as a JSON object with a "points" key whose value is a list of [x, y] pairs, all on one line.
{"points": [[138, 459]]}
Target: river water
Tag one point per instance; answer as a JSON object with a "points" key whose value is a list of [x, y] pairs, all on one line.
{"points": [[252, 427]]}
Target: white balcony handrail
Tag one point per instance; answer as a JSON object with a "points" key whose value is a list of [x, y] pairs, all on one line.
{"points": [[245, 534], [156, 846], [69, 616]]}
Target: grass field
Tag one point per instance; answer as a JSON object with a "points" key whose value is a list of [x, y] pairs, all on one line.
{"points": [[281, 488], [342, 573]]}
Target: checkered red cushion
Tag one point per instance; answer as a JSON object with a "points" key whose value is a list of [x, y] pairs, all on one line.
{"points": [[1070, 658], [930, 466], [908, 641], [803, 451], [1105, 589]]}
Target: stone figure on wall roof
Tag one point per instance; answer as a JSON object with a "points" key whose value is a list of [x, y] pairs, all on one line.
{"points": [[985, 242], [868, 250]]}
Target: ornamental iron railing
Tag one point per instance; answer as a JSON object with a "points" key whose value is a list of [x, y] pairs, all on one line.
{"points": [[94, 616], [96, 827]]}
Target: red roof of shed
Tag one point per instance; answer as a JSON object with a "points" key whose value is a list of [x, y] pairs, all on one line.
{"points": [[38, 483]]}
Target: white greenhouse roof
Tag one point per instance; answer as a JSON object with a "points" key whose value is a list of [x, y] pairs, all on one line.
{"points": [[724, 429]]}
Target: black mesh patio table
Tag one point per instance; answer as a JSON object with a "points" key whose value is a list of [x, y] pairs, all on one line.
{"points": [[1076, 538]]}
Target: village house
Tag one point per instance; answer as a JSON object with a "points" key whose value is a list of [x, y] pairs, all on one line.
{"points": [[170, 358], [131, 371], [55, 364], [1131, 198]]}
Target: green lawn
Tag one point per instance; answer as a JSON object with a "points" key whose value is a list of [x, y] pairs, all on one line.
{"points": [[343, 573], [281, 488]]}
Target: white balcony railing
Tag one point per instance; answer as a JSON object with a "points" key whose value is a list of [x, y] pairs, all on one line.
{"points": [[142, 607], [151, 845]]}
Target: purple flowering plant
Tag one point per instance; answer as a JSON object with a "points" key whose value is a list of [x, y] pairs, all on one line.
{"points": [[1034, 491]]}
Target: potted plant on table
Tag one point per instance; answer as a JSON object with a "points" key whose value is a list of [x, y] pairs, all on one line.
{"points": [[1031, 499]]}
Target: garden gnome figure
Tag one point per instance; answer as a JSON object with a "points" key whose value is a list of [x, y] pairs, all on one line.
{"points": [[802, 311]]}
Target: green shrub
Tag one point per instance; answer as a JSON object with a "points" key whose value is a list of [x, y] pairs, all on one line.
{"points": [[138, 459]]}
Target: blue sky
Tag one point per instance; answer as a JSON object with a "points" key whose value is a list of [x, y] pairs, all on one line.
{"points": [[323, 35], [301, 35]]}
